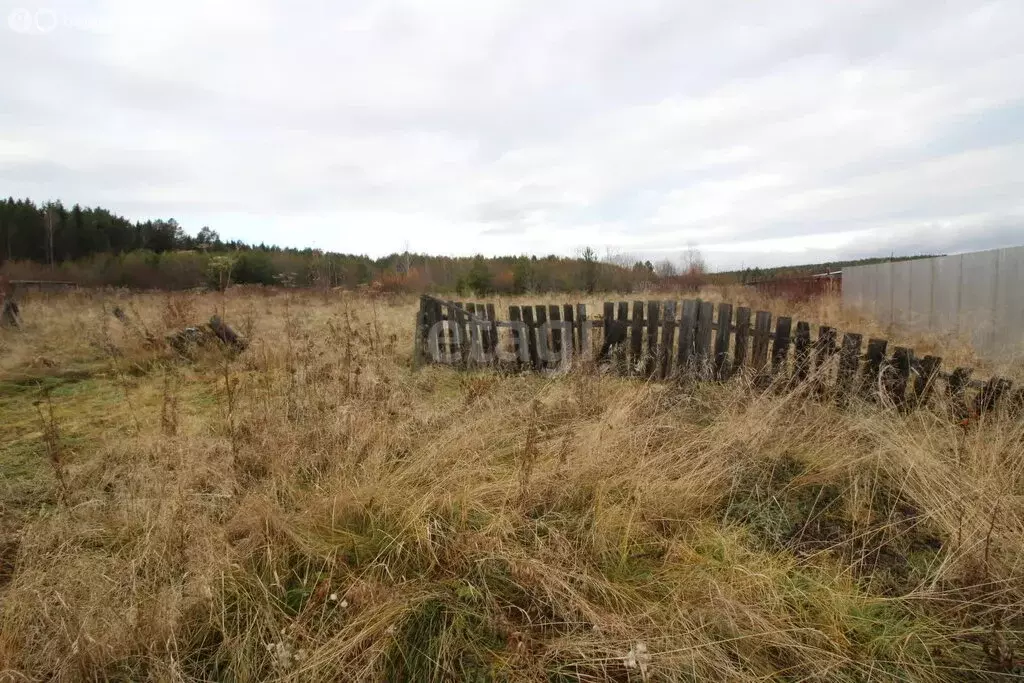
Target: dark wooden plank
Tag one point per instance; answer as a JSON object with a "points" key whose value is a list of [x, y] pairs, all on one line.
{"points": [[482, 339], [956, 391], [896, 376], [462, 336], [583, 331], [739, 356], [992, 394], [568, 316], [492, 316], [440, 340], [519, 345], [825, 345], [687, 334], [780, 347], [608, 315], [442, 328], [802, 352], [1016, 404], [419, 342], [924, 383], [636, 341], [531, 336], [555, 316], [668, 336], [432, 342], [543, 334], [477, 342], [482, 331], [622, 349], [849, 359], [874, 357], [653, 321], [762, 337], [722, 337], [623, 311], [702, 340]]}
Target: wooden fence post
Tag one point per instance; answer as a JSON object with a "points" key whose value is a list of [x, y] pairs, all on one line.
{"points": [[896, 376], [780, 348], [956, 388], [992, 394], [622, 357], [924, 383], [802, 352], [702, 340], [531, 336], [492, 332], [636, 336], [874, 358], [518, 339], [742, 337], [687, 333], [462, 339], [762, 337], [623, 312], [722, 367], [574, 341], [435, 331], [555, 316], [668, 335], [849, 360], [418, 342], [653, 314], [583, 331], [543, 342]]}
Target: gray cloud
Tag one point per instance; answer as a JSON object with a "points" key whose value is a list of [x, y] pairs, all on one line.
{"points": [[762, 132]]}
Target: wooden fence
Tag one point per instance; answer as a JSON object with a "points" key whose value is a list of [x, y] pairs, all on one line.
{"points": [[696, 339]]}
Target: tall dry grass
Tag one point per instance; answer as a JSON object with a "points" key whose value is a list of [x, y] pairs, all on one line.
{"points": [[314, 510]]}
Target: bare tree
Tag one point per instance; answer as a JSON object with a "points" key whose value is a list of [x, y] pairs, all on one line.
{"points": [[694, 262], [665, 268]]}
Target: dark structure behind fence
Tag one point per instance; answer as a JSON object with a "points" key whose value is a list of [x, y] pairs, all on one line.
{"points": [[801, 288], [693, 340]]}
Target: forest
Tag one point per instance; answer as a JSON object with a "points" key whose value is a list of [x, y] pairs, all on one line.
{"points": [[96, 247]]}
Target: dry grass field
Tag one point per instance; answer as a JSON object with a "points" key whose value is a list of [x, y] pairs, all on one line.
{"points": [[314, 510]]}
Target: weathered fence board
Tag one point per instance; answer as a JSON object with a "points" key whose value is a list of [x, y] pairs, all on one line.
{"points": [[849, 360], [687, 335], [555, 316], [574, 341], [762, 335], [722, 341], [668, 335], [551, 336], [653, 322], [742, 338], [780, 348], [636, 340], [702, 342], [583, 331], [802, 352]]}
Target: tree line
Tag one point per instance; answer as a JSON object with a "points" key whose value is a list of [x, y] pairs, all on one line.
{"points": [[95, 247]]}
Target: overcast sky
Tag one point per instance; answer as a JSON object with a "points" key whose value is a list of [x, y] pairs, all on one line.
{"points": [[761, 132]]}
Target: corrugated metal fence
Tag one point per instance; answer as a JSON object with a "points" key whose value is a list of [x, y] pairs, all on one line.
{"points": [[978, 296]]}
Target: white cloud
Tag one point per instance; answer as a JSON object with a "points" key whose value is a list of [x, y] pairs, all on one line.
{"points": [[763, 132]]}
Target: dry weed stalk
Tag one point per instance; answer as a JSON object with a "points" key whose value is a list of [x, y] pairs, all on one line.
{"points": [[169, 404], [51, 442]]}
